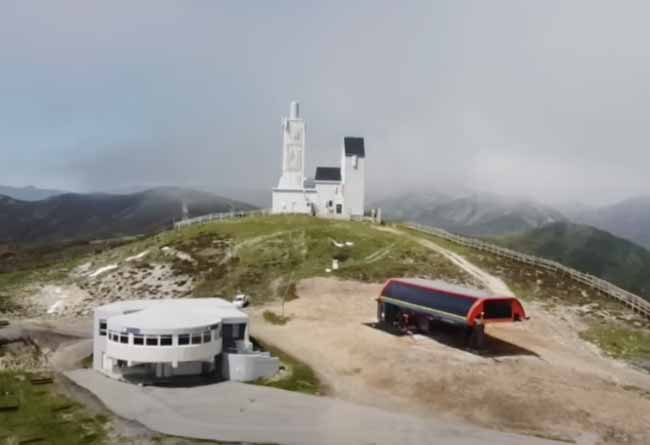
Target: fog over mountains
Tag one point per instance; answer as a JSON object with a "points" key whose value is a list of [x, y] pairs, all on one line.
{"points": [[629, 219], [487, 214], [477, 214], [28, 193], [467, 212]]}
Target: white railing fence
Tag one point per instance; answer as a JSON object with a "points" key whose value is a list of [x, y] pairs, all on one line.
{"points": [[636, 303], [213, 217]]}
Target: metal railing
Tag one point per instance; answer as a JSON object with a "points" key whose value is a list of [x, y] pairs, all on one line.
{"points": [[636, 303], [212, 217]]}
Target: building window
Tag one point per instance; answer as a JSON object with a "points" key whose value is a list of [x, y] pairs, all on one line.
{"points": [[165, 340], [330, 203], [207, 337], [138, 339], [152, 341], [339, 209], [184, 339], [102, 328], [196, 339], [124, 338]]}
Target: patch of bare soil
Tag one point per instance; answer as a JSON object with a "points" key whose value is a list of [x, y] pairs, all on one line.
{"points": [[89, 289], [537, 376]]}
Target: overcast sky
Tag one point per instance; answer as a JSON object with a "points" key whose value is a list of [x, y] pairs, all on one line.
{"points": [[549, 99]]}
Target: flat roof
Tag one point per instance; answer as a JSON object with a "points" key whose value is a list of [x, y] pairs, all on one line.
{"points": [[169, 315], [447, 287]]}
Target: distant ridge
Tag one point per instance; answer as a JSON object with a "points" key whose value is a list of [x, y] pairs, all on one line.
{"points": [[589, 250], [29, 193], [474, 214], [89, 216], [629, 219]]}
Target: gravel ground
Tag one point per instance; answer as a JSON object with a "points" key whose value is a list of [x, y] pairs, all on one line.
{"points": [[535, 377]]}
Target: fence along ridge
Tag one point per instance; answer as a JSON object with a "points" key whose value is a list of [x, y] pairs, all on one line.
{"points": [[219, 216], [635, 302]]}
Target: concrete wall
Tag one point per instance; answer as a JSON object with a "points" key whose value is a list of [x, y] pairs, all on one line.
{"points": [[247, 367]]}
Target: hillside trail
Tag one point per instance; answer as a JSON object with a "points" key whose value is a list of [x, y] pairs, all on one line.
{"points": [[494, 284]]}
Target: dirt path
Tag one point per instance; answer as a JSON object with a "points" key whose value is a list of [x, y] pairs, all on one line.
{"points": [[491, 282], [537, 376]]}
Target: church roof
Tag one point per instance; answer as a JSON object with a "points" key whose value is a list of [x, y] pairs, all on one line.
{"points": [[354, 147], [328, 174]]}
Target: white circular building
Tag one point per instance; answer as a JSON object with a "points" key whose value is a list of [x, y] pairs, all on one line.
{"points": [[154, 339]]}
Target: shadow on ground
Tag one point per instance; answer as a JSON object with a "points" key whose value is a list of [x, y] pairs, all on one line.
{"points": [[457, 337], [176, 381]]}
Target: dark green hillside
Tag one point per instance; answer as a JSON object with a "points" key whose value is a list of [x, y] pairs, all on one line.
{"points": [[589, 250], [81, 217]]}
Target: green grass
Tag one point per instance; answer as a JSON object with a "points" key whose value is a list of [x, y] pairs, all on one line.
{"points": [[620, 341], [44, 414], [589, 250], [300, 377], [273, 318], [87, 362], [262, 256], [529, 282]]}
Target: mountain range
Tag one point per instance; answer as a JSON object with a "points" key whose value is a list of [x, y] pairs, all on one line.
{"points": [[589, 250], [629, 219], [28, 193], [90, 216], [475, 214]]}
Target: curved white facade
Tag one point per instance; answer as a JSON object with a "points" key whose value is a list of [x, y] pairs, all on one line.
{"points": [[165, 338]]}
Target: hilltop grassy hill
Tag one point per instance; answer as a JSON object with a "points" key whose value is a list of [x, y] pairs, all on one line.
{"points": [[266, 257], [261, 256], [589, 250]]}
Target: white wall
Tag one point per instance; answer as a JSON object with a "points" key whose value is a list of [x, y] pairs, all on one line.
{"points": [[249, 366], [329, 191], [167, 354], [353, 171], [292, 201], [293, 152]]}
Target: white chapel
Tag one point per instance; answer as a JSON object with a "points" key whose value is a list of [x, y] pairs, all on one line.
{"points": [[336, 192]]}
